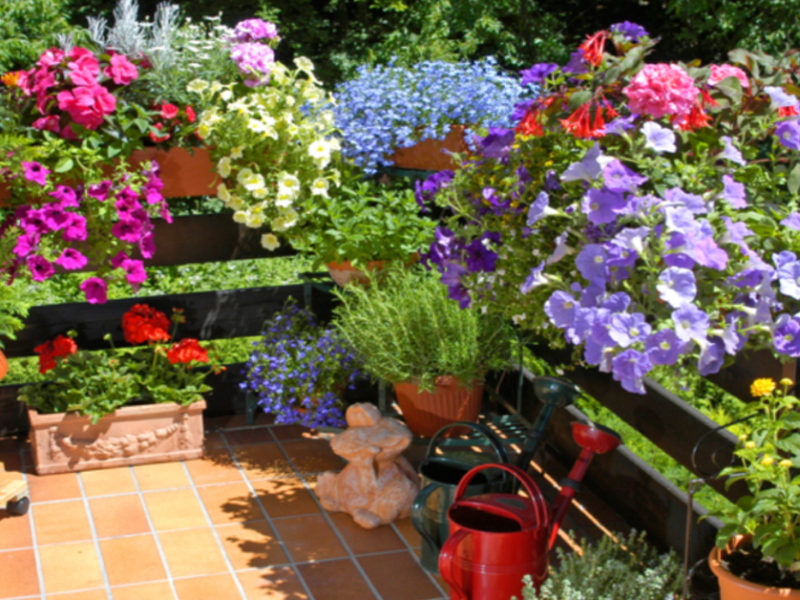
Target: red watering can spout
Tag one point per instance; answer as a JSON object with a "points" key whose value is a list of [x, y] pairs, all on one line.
{"points": [[594, 439]]}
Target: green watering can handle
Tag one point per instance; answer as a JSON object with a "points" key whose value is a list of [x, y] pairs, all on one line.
{"points": [[416, 512], [497, 446]]}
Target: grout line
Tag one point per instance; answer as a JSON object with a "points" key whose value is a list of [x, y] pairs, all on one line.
{"points": [[37, 558], [95, 541], [161, 553], [215, 533], [269, 519], [331, 524], [419, 560]]}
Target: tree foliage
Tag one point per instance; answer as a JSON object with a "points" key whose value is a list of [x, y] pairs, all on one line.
{"points": [[27, 28]]}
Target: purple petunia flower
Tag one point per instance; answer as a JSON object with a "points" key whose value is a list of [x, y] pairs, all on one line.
{"points": [[658, 139], [577, 63], [629, 368], [75, 230], [619, 178], [426, 190], [731, 152], [560, 307], [96, 290], [617, 302], [100, 191], [540, 209], [497, 143], [712, 356], [588, 169], [677, 286], [780, 98], [692, 202], [602, 205], [620, 125], [792, 221], [591, 262], [66, 196], [788, 133], [631, 31], [691, 323], [621, 257], [680, 219], [789, 278], [562, 249], [456, 288], [72, 260], [627, 329], [787, 338], [591, 296], [41, 268], [735, 232], [664, 347], [535, 279], [734, 192], [35, 172], [706, 252], [479, 255], [537, 73]]}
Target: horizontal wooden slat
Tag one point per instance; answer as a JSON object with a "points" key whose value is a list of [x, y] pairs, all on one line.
{"points": [[736, 379]]}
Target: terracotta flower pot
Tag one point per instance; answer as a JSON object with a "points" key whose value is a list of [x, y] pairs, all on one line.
{"points": [[344, 273], [132, 435], [427, 412], [429, 155], [732, 587], [3, 365]]}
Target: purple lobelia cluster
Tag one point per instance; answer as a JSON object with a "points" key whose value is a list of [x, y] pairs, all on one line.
{"points": [[252, 56], [299, 371]]}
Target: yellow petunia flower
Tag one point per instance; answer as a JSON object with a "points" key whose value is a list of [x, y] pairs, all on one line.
{"points": [[762, 387]]}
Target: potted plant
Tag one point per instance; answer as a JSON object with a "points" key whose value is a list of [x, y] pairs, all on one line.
{"points": [[298, 370], [391, 115], [758, 551], [122, 406], [646, 223], [361, 227], [408, 332]]}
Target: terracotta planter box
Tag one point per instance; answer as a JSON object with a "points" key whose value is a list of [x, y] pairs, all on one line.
{"points": [[132, 435], [184, 173], [427, 412], [343, 273], [428, 154]]}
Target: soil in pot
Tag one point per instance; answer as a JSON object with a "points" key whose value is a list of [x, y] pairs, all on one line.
{"points": [[747, 563]]}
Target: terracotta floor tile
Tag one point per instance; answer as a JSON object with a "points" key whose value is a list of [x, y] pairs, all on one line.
{"points": [[61, 522], [18, 574], [132, 560], [15, 532], [193, 552], [366, 541], [335, 580], [293, 432], [385, 570], [161, 476], [263, 462], [104, 482], [230, 503], [309, 538], [251, 544], [277, 583], [53, 487], [147, 591], [90, 595], [312, 456], [218, 587], [70, 567], [285, 497], [174, 509], [216, 466], [231, 421], [214, 440], [406, 529], [119, 515], [248, 437]]}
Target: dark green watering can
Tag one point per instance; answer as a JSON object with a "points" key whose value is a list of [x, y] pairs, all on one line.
{"points": [[440, 477]]}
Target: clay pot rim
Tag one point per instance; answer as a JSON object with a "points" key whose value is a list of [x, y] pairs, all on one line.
{"points": [[348, 265], [139, 411], [444, 381], [714, 562]]}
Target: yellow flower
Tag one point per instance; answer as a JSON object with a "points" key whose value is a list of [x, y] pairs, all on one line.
{"points": [[269, 241], [742, 436], [762, 387], [198, 86], [767, 460], [11, 79], [785, 463], [786, 382], [224, 166], [750, 445]]}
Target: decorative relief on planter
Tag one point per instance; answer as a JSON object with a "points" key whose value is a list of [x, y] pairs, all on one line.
{"points": [[132, 435]]}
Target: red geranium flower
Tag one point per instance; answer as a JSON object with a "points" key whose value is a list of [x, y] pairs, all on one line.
{"points": [[187, 351], [143, 324], [169, 111], [57, 348], [159, 138], [191, 116]]}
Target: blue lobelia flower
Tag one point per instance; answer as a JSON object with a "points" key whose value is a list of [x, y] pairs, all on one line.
{"points": [[658, 139], [677, 286], [691, 323], [627, 329], [664, 347]]}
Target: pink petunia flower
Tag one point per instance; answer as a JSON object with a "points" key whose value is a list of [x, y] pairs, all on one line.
{"points": [[87, 105], [120, 258], [84, 67], [147, 245], [661, 89], [96, 290], [75, 230], [68, 134], [33, 222], [72, 260], [55, 217], [121, 70], [66, 196], [50, 57], [128, 230], [100, 191], [26, 243], [720, 72], [41, 268], [127, 207], [50, 123], [165, 214], [35, 172], [135, 272]]}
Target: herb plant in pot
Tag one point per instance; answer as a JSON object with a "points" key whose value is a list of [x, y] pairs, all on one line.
{"points": [[363, 226], [408, 332], [119, 407], [758, 549], [298, 371]]}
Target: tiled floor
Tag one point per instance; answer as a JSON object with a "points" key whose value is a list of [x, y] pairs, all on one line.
{"points": [[242, 523]]}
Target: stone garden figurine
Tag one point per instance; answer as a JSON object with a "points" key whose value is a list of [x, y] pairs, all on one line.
{"points": [[378, 485]]}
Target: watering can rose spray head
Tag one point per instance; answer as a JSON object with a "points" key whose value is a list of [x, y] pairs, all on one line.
{"points": [[594, 439]]}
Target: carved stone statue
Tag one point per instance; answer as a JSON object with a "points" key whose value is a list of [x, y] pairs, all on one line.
{"points": [[378, 485]]}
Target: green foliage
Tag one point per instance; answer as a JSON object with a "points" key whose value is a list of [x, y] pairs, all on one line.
{"points": [[406, 329], [611, 570], [362, 222], [13, 303], [28, 28]]}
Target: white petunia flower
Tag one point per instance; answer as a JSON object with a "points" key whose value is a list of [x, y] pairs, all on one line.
{"points": [[260, 193], [284, 198], [198, 86], [290, 182], [244, 174], [215, 87], [236, 203], [240, 216], [254, 182], [223, 193], [224, 167], [270, 241], [226, 95], [255, 218], [237, 152], [320, 187], [320, 150]]}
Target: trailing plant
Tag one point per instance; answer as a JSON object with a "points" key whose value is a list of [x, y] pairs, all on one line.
{"points": [[405, 328], [96, 384], [298, 370], [363, 222], [611, 570]]}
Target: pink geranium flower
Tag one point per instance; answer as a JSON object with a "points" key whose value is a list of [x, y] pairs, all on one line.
{"points": [[41, 268], [661, 89], [121, 70], [96, 290], [72, 260], [87, 105], [84, 66], [720, 72], [47, 124], [75, 230], [35, 172]]}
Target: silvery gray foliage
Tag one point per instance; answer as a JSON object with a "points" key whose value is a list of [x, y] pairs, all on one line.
{"points": [[66, 41]]}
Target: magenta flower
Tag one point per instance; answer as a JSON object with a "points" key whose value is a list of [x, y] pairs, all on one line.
{"points": [[88, 104], [84, 67], [35, 172], [120, 258], [26, 243], [51, 123], [165, 214], [661, 89], [96, 290], [135, 272], [55, 217], [66, 196], [50, 58], [72, 260], [41, 268], [33, 222], [75, 230], [121, 70], [127, 206], [252, 30], [100, 191], [147, 245], [255, 61], [128, 230]]}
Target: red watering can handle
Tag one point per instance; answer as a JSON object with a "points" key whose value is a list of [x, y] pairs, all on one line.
{"points": [[539, 504], [446, 561]]}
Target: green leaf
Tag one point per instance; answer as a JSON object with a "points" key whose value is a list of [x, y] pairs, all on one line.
{"points": [[794, 179], [732, 88], [579, 99], [64, 165]]}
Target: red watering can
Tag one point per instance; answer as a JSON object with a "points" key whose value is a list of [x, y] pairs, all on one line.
{"points": [[496, 539]]}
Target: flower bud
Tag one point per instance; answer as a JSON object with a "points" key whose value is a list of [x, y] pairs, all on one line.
{"points": [[750, 445], [767, 460], [785, 463]]}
